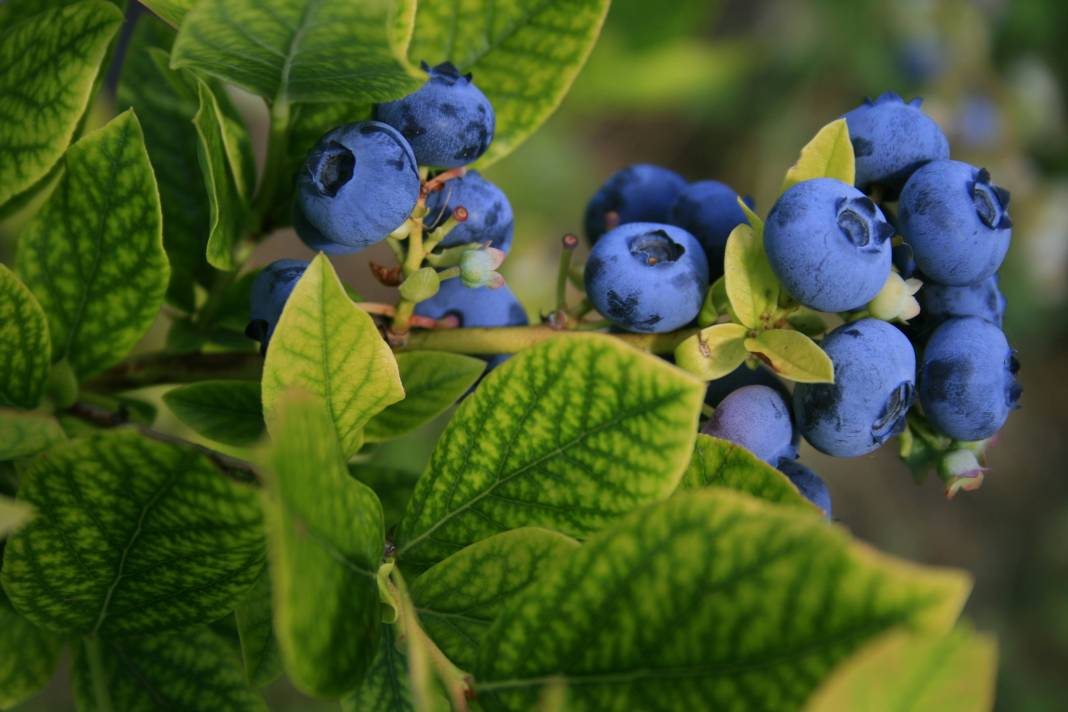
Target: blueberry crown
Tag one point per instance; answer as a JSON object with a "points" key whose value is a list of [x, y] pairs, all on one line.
{"points": [[446, 73], [860, 221], [890, 97], [991, 201]]}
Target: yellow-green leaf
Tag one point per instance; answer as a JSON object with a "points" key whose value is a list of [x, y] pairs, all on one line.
{"points": [[720, 463], [93, 256], [25, 434], [714, 600], [752, 287], [828, 155], [328, 346], [50, 62], [922, 672], [25, 349], [792, 355], [13, 514], [524, 55], [713, 352], [326, 542], [567, 435], [30, 655], [755, 220]]}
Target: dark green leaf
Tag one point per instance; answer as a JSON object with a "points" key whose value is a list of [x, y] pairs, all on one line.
{"points": [[191, 671], [131, 536], [720, 463], [386, 687], [50, 61], [255, 627], [173, 11], [29, 657], [524, 55], [433, 381], [567, 435], [460, 597], [393, 486], [227, 411], [714, 600], [25, 350], [93, 256], [292, 51], [327, 541], [25, 434]]}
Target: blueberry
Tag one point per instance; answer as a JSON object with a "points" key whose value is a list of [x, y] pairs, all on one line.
{"points": [[809, 483], [268, 296], [967, 379], [638, 193], [359, 183], [742, 376], [874, 385], [891, 139], [479, 307], [758, 419], [489, 214], [956, 222], [828, 244], [709, 210], [940, 302], [647, 277], [448, 120]]}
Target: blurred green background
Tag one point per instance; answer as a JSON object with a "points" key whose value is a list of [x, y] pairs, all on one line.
{"points": [[731, 90]]}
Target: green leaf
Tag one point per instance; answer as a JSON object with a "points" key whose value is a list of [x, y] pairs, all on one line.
{"points": [[752, 287], [255, 628], [291, 51], [393, 486], [460, 597], [229, 412], [173, 11], [165, 102], [828, 155], [25, 434], [193, 671], [30, 655], [326, 542], [386, 687], [433, 381], [225, 156], [328, 346], [13, 515], [25, 350], [93, 256], [713, 600], [50, 61], [546, 43], [901, 670], [713, 352], [792, 355], [132, 536], [721, 463], [567, 435]]}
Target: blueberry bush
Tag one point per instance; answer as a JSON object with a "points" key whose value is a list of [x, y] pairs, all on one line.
{"points": [[613, 517]]}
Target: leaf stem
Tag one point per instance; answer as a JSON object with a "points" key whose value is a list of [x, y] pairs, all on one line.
{"points": [[95, 658], [568, 244], [272, 169]]}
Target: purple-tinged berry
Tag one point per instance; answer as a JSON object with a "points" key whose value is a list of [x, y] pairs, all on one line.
{"points": [[758, 419]]}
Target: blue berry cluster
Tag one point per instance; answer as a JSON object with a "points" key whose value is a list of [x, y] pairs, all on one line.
{"points": [[362, 181]]}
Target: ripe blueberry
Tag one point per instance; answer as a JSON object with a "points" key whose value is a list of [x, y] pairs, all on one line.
{"points": [[874, 385], [758, 419], [489, 214], [638, 193], [891, 139], [268, 296], [647, 277], [448, 121], [359, 183], [967, 379], [956, 222], [983, 299], [478, 307], [709, 210], [828, 244], [809, 483]]}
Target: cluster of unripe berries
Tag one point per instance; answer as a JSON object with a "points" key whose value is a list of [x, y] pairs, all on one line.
{"points": [[658, 241]]}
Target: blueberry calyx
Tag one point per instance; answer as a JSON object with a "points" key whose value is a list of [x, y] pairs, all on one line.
{"points": [[332, 169], [446, 73], [858, 221], [655, 247], [892, 419], [991, 202]]}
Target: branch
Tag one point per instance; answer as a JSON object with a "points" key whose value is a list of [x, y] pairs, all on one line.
{"points": [[150, 369], [512, 339]]}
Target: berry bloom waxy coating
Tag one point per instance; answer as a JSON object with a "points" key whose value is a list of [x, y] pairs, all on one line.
{"points": [[358, 184], [647, 277], [269, 293], [956, 222], [874, 385], [489, 214], [478, 307], [709, 210], [982, 299], [448, 121], [758, 419], [638, 193], [967, 379], [891, 139], [809, 483], [828, 244]]}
